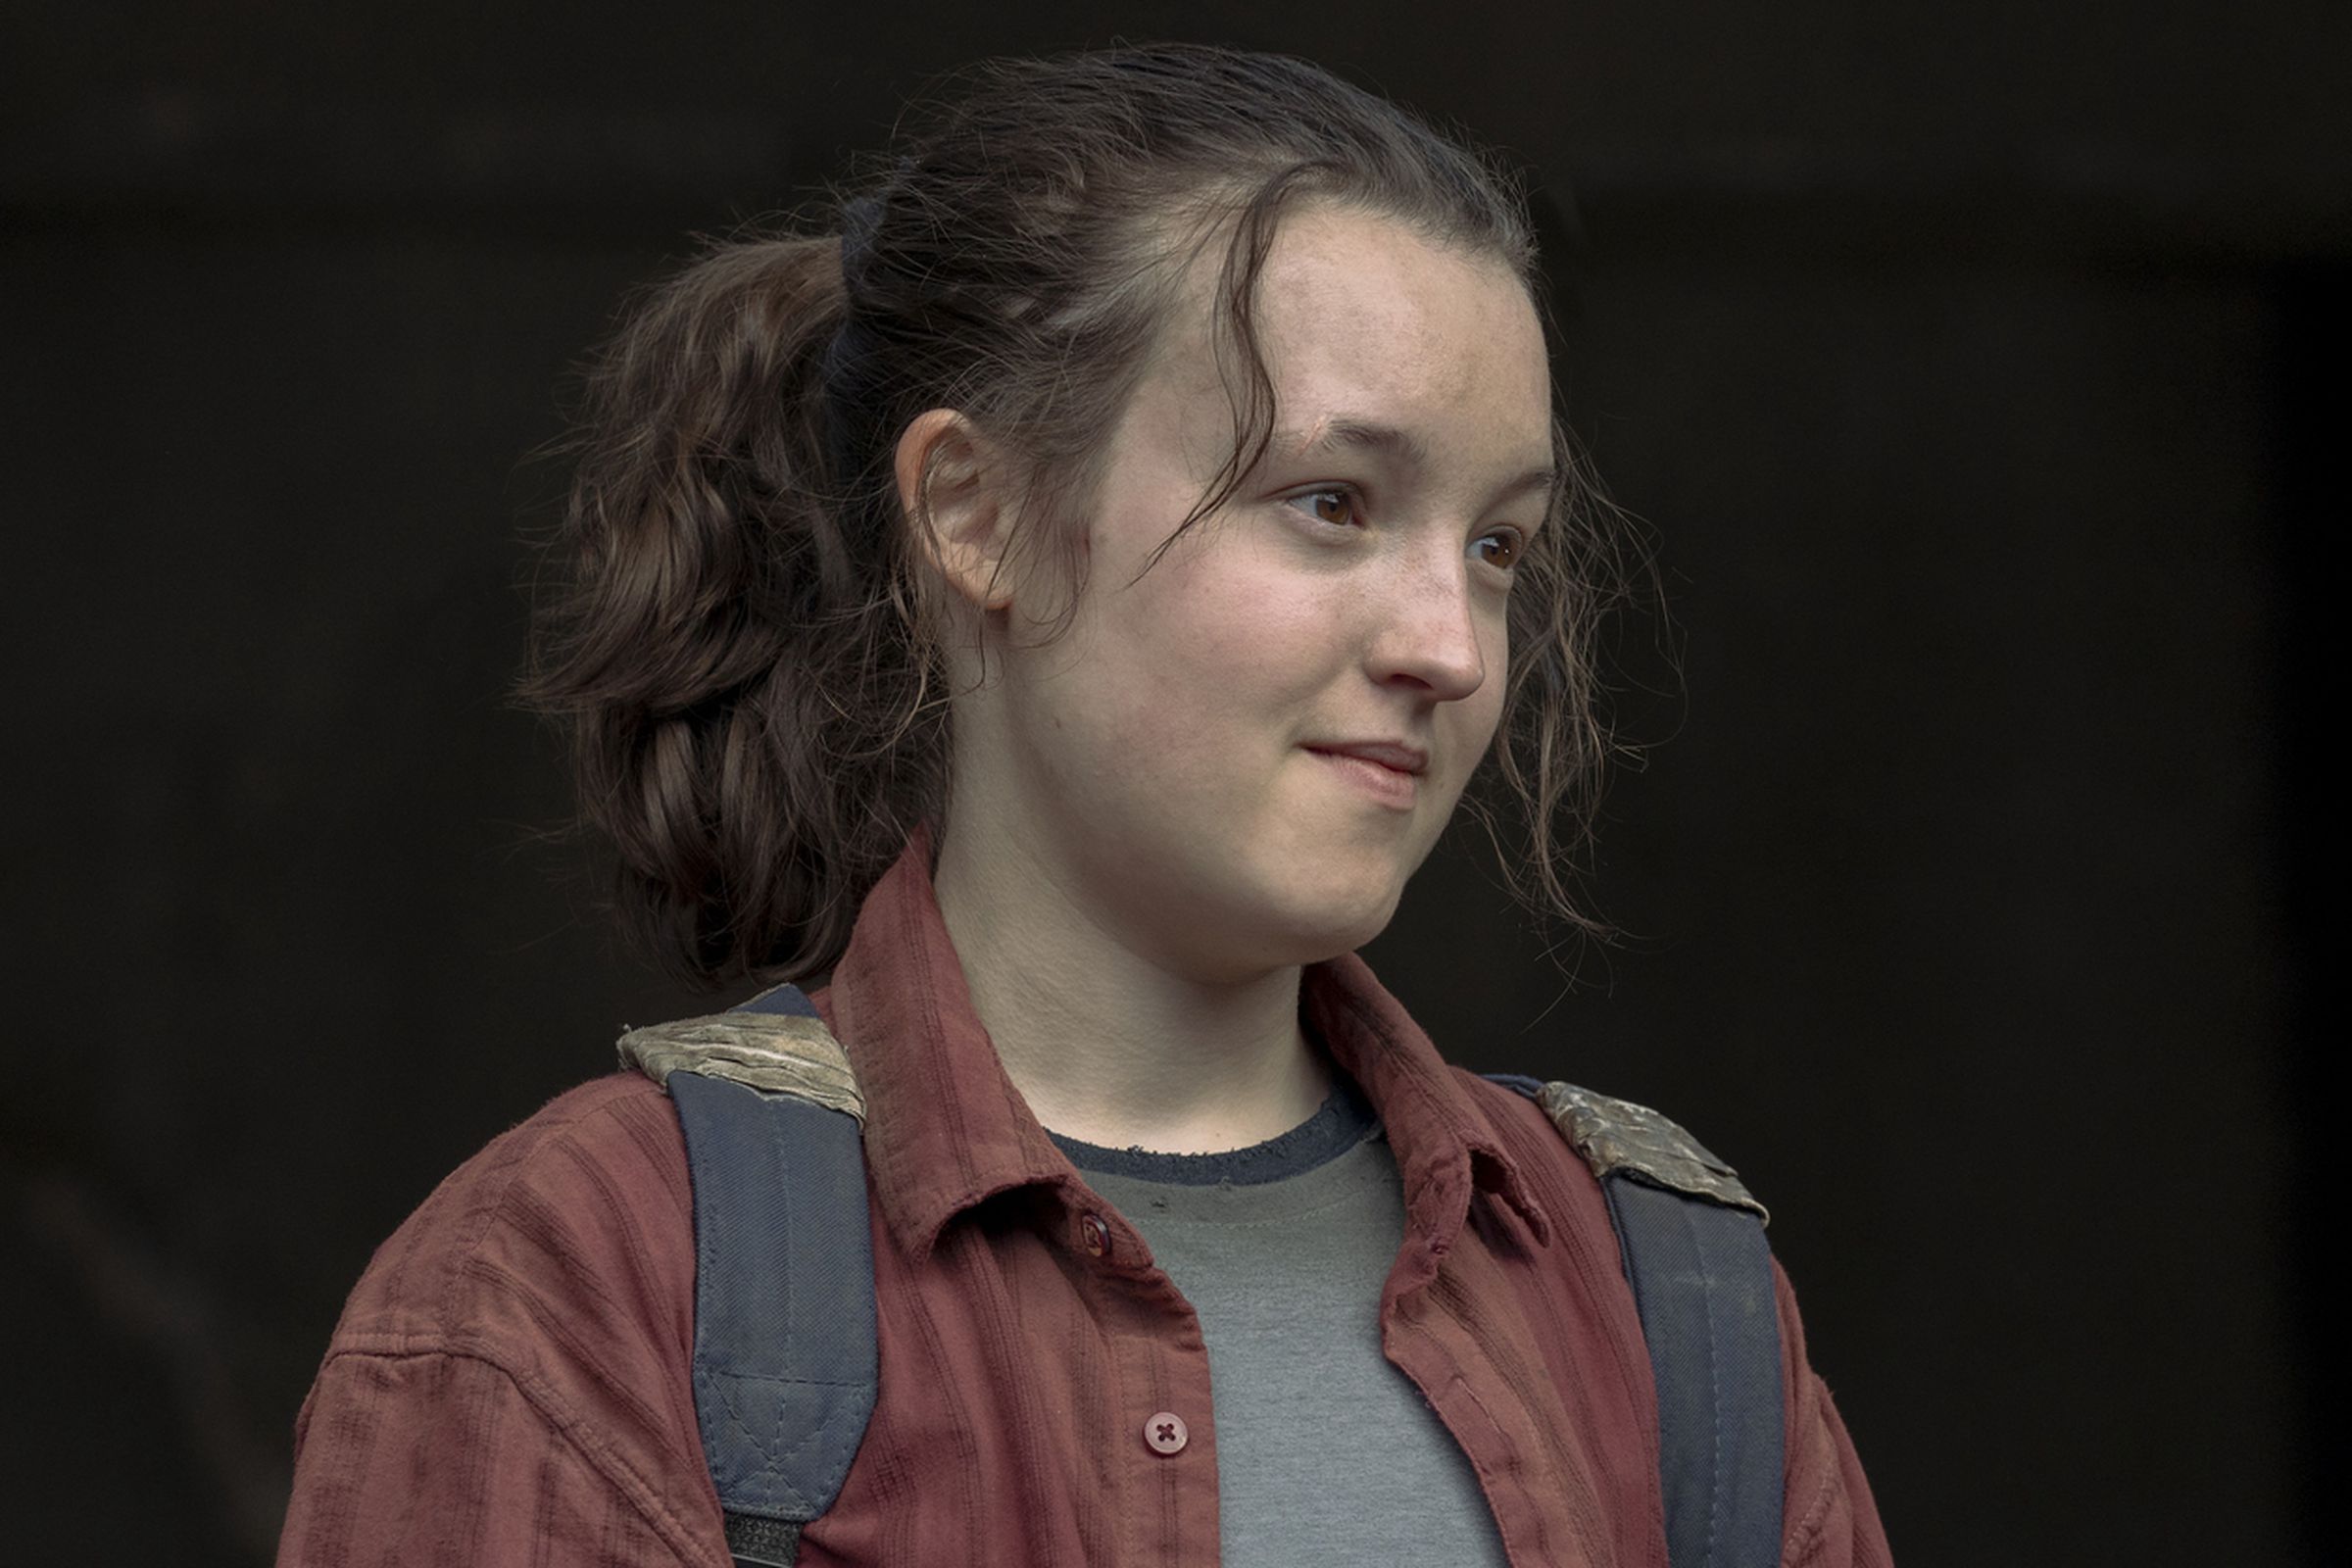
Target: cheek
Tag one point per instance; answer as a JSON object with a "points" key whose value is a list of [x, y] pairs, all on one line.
{"points": [[1228, 646], [1135, 695]]}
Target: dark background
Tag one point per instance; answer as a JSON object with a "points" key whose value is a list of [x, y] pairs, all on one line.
{"points": [[1980, 369]]}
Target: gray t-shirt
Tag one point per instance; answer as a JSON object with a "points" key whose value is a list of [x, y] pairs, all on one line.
{"points": [[1326, 1453]]}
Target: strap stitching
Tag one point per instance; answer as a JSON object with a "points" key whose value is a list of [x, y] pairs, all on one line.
{"points": [[1706, 1297], [775, 1459]]}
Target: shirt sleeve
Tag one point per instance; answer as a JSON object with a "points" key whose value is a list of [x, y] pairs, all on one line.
{"points": [[510, 1383], [434, 1457], [1830, 1519]]}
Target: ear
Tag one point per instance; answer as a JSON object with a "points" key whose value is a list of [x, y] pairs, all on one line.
{"points": [[953, 485]]}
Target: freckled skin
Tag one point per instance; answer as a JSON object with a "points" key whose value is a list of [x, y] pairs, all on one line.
{"points": [[1150, 765]]}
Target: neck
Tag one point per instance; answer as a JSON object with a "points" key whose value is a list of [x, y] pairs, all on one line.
{"points": [[1111, 1046]]}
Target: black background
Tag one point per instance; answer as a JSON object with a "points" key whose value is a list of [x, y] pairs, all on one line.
{"points": [[1978, 368]]}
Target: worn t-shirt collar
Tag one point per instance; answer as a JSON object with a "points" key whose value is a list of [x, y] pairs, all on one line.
{"points": [[946, 1129]]}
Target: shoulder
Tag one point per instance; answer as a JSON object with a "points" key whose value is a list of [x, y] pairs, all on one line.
{"points": [[1608, 1135], [517, 1356], [1562, 1140], [581, 1208]]}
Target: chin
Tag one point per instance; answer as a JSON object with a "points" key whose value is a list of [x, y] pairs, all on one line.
{"points": [[1265, 907], [1323, 922]]}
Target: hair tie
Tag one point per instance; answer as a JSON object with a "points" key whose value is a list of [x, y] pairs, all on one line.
{"points": [[849, 355], [848, 368]]}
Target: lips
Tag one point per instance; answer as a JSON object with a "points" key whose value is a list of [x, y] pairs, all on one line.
{"points": [[1385, 772], [1394, 754]]}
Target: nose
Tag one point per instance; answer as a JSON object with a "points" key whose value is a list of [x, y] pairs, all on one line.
{"points": [[1431, 631]]}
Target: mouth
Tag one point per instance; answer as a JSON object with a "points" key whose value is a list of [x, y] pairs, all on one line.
{"points": [[1388, 773]]}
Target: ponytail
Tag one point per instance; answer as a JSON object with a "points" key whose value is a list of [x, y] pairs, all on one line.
{"points": [[731, 642]]}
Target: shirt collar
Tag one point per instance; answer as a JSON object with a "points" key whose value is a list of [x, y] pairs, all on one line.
{"points": [[946, 1129], [1444, 1144]]}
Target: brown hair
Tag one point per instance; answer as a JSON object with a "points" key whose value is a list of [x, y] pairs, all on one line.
{"points": [[756, 699]]}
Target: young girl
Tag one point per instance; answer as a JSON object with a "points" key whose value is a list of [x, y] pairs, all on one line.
{"points": [[1057, 613]]}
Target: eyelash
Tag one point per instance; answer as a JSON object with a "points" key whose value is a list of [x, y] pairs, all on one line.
{"points": [[1518, 540]]}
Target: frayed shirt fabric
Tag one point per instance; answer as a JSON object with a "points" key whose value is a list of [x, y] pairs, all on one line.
{"points": [[510, 1381]]}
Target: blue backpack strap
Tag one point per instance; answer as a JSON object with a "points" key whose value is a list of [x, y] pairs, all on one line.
{"points": [[1693, 1241], [785, 1370]]}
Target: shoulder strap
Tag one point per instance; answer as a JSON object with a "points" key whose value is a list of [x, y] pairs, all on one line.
{"points": [[1693, 1248], [785, 1369]]}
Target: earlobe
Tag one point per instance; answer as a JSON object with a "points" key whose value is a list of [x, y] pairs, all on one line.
{"points": [[950, 486]]}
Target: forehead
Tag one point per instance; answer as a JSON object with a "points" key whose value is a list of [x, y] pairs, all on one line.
{"points": [[1362, 318]]}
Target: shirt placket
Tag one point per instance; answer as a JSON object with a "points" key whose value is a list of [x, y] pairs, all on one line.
{"points": [[1159, 1420]]}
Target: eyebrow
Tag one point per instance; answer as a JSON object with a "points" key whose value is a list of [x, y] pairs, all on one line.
{"points": [[1399, 446]]}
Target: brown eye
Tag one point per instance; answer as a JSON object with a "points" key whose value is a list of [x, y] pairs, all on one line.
{"points": [[1334, 506], [1501, 549]]}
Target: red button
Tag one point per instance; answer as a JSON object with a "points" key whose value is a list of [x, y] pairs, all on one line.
{"points": [[1164, 1433], [1094, 1235]]}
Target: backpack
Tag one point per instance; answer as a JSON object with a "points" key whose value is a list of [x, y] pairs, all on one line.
{"points": [[785, 1370]]}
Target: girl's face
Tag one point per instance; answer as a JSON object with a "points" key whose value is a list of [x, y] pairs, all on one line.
{"points": [[1234, 761]]}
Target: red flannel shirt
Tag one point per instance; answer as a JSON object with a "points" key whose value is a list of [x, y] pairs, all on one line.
{"points": [[508, 1384]]}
